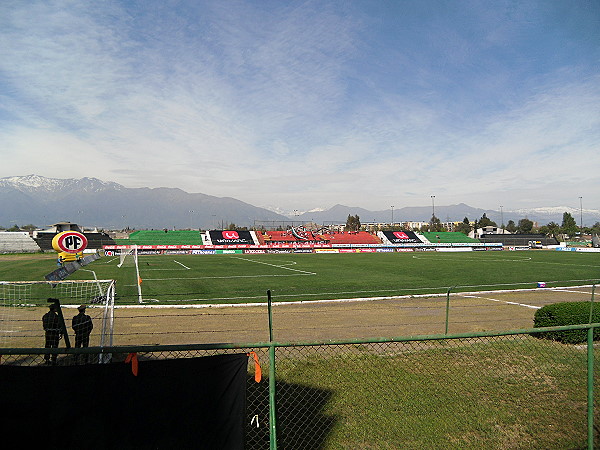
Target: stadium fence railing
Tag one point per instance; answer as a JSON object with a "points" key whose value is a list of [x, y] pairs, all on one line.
{"points": [[475, 390]]}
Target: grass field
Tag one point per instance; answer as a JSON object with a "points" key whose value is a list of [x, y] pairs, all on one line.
{"points": [[377, 295], [509, 393], [185, 279]]}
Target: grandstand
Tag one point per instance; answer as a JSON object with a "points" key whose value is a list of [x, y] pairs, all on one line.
{"points": [[163, 237], [350, 238], [96, 240], [292, 238], [17, 242], [527, 240], [287, 237], [322, 237], [447, 237]]}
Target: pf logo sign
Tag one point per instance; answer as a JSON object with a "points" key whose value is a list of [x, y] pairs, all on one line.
{"points": [[69, 242], [401, 235], [231, 235]]}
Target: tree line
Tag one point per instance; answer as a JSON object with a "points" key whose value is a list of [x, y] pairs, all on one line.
{"points": [[568, 227]]}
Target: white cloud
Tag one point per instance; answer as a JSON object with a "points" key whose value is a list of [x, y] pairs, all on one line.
{"points": [[306, 104]]}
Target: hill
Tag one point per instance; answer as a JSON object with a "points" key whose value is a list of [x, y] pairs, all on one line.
{"points": [[92, 202]]}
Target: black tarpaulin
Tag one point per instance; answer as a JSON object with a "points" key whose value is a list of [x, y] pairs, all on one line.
{"points": [[179, 403]]}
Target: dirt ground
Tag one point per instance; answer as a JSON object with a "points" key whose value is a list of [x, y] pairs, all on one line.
{"points": [[304, 322]]}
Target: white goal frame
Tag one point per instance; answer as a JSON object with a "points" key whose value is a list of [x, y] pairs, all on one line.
{"points": [[21, 296], [133, 252]]}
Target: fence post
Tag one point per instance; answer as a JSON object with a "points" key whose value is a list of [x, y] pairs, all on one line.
{"points": [[590, 387], [592, 303], [272, 414], [448, 307]]}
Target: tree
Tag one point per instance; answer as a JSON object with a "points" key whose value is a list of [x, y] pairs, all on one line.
{"points": [[525, 226], [511, 227], [569, 226], [485, 221], [463, 227], [435, 224], [353, 223], [233, 226], [552, 229]]}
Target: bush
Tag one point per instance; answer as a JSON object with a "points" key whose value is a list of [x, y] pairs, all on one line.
{"points": [[566, 313]]}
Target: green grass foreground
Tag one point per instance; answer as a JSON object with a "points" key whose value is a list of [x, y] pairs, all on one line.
{"points": [[291, 277], [500, 393]]}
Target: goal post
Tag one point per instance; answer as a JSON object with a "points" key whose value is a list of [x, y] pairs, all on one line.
{"points": [[23, 303], [129, 257]]}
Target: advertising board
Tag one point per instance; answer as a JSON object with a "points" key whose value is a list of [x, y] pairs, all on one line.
{"points": [[402, 237], [231, 237]]}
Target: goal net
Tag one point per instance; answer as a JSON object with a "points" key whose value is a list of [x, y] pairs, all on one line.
{"points": [[128, 260], [23, 303]]}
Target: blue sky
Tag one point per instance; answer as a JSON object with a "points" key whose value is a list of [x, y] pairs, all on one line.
{"points": [[306, 104]]}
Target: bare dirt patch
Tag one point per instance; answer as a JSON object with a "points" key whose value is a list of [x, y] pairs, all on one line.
{"points": [[306, 322]]}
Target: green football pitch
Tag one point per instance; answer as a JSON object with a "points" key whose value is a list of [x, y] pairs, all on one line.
{"points": [[238, 278]]}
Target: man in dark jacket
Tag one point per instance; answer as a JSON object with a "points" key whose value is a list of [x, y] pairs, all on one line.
{"points": [[82, 326], [51, 324]]}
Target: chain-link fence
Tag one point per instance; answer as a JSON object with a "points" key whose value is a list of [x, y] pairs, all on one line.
{"points": [[478, 390]]}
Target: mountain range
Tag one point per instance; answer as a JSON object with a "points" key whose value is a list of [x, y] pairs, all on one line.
{"points": [[91, 202]]}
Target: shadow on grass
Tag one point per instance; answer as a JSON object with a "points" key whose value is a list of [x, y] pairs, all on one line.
{"points": [[301, 422]]}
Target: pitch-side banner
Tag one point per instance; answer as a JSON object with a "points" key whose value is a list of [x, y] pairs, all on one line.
{"points": [[402, 237], [231, 237]]}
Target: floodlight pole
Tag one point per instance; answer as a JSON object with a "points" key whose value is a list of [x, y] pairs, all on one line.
{"points": [[581, 217]]}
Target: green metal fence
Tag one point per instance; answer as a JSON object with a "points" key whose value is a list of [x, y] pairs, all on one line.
{"points": [[479, 390]]}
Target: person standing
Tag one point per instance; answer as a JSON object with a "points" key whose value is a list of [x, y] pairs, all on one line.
{"points": [[52, 328], [82, 326]]}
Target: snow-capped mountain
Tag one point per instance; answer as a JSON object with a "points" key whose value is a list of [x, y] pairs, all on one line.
{"points": [[554, 210], [294, 213], [38, 184], [93, 202], [555, 214], [42, 201]]}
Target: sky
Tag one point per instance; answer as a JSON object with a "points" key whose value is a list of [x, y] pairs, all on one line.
{"points": [[299, 105]]}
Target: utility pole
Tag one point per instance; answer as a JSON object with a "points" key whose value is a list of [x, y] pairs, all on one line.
{"points": [[581, 217]]}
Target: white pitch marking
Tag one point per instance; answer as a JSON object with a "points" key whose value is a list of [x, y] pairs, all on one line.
{"points": [[518, 259], [275, 265], [503, 301], [182, 265], [572, 292], [231, 276]]}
